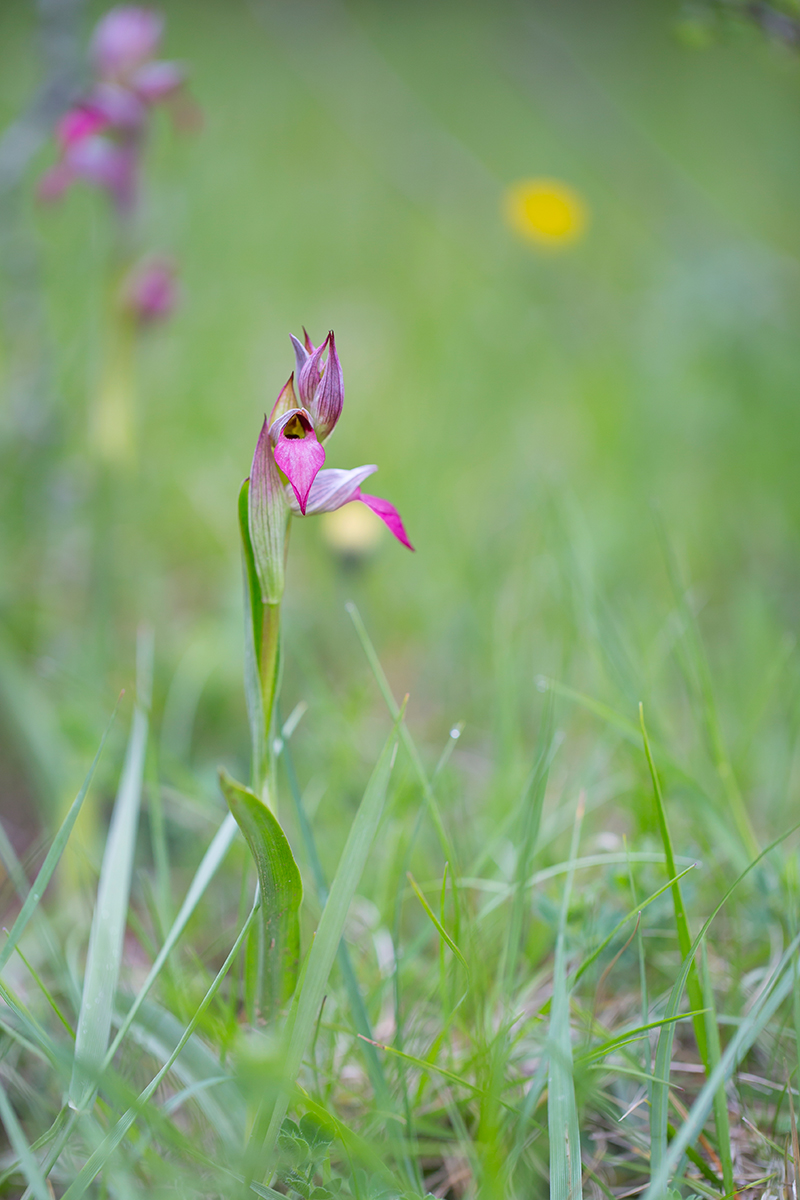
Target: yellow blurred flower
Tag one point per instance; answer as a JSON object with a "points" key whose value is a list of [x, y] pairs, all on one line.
{"points": [[546, 211], [351, 531]]}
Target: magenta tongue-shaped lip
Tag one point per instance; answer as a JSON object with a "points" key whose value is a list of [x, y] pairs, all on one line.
{"points": [[297, 452]]}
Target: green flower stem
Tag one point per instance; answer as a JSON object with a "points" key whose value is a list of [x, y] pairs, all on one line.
{"points": [[269, 678]]}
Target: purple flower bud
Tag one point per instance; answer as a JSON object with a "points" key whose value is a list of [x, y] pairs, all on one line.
{"points": [[308, 372], [321, 386], [124, 39], [329, 399], [150, 291]]}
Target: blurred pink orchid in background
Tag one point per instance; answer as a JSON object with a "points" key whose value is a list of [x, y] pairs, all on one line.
{"points": [[99, 139], [87, 153], [150, 290], [287, 476]]}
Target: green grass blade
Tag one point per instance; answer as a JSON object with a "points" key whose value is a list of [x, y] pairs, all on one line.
{"points": [[598, 950], [101, 1155], [562, 1111], [630, 1035], [209, 865], [769, 1001], [660, 1083], [530, 806], [443, 934], [693, 987], [52, 859], [331, 926], [281, 894], [108, 923], [358, 1008], [19, 1144], [426, 1065], [698, 674], [715, 1054]]}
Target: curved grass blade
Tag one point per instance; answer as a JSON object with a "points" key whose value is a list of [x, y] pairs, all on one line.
{"points": [[440, 929], [632, 1035], [113, 892], [281, 894]]}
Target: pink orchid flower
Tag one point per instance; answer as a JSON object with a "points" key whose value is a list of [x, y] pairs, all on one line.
{"points": [[287, 476], [87, 152], [150, 290], [99, 139]]}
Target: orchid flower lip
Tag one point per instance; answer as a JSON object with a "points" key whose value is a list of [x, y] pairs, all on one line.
{"points": [[297, 451]]}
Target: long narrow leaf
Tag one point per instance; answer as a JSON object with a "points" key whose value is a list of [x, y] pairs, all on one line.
{"points": [[205, 873], [108, 923], [281, 894]]}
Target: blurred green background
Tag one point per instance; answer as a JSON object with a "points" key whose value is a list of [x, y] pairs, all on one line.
{"points": [[544, 420]]}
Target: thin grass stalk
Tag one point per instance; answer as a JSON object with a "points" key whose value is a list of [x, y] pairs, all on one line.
{"points": [[693, 986], [562, 1112], [721, 1120]]}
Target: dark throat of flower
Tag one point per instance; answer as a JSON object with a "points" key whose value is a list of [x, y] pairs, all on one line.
{"points": [[295, 427]]}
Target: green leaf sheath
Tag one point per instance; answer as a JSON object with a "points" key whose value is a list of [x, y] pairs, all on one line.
{"points": [[262, 642], [281, 893]]}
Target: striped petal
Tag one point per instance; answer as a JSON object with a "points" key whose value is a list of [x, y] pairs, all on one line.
{"points": [[331, 489], [267, 513]]}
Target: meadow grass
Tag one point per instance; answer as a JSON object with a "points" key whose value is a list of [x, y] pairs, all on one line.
{"points": [[549, 934]]}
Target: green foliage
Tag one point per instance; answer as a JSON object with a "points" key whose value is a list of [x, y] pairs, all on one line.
{"points": [[281, 889]]}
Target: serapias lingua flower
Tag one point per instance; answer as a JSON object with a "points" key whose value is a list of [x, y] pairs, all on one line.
{"points": [[287, 476]]}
